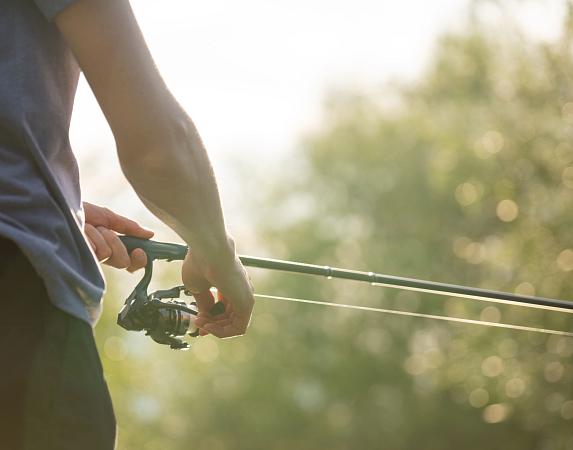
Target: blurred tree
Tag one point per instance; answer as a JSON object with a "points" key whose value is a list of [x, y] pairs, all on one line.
{"points": [[464, 176]]}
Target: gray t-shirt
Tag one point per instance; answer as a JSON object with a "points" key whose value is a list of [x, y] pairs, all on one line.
{"points": [[40, 200]]}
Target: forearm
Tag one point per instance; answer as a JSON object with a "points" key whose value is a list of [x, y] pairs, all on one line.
{"points": [[158, 146], [109, 47], [175, 180]]}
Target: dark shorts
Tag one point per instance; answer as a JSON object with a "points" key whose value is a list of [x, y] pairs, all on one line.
{"points": [[52, 391]]}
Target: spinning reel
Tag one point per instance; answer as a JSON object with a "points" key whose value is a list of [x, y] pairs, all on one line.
{"points": [[161, 314]]}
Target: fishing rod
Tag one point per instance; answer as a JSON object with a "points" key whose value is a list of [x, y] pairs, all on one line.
{"points": [[164, 320]]}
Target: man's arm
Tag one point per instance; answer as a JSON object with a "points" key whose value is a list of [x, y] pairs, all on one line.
{"points": [[160, 152]]}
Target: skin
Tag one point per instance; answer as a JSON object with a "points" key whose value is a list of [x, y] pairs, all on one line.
{"points": [[163, 158], [101, 229]]}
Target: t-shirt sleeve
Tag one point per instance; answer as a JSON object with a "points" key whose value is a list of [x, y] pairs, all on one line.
{"points": [[51, 8]]}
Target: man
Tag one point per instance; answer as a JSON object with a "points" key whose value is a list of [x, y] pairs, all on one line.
{"points": [[52, 391]]}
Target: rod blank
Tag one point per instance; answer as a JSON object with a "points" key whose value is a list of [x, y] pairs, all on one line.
{"points": [[405, 283], [170, 252]]}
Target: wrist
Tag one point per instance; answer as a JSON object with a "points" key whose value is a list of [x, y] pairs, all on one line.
{"points": [[214, 251]]}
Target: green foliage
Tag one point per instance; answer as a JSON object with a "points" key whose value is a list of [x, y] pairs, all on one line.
{"points": [[465, 176]]}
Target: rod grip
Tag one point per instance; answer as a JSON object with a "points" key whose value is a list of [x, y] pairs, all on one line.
{"points": [[155, 249]]}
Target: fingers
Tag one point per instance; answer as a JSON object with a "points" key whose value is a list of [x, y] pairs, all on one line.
{"points": [[205, 301], [119, 257], [234, 293], [225, 325], [104, 217], [110, 250], [226, 328], [123, 225], [233, 321], [100, 245], [138, 260]]}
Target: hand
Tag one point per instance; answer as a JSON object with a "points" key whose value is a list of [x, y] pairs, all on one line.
{"points": [[101, 227], [234, 291]]}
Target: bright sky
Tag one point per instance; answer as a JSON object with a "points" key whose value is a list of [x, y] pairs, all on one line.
{"points": [[252, 74]]}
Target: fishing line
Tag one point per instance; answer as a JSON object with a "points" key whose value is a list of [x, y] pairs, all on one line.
{"points": [[419, 315], [478, 298]]}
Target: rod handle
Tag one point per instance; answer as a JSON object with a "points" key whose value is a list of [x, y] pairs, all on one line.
{"points": [[155, 249]]}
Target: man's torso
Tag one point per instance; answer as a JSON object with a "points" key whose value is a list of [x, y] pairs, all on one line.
{"points": [[40, 200]]}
